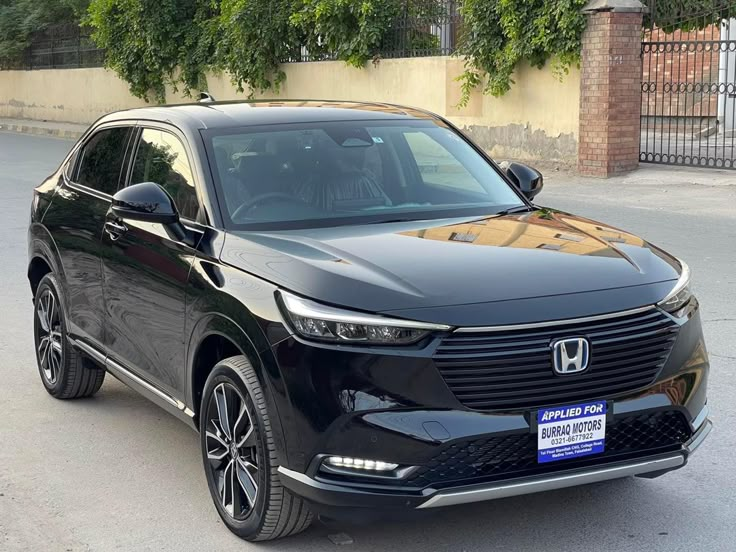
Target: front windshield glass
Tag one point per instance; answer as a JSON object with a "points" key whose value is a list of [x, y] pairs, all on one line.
{"points": [[351, 172]]}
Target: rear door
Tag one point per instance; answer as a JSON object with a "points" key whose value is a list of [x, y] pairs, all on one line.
{"points": [[75, 220], [146, 270]]}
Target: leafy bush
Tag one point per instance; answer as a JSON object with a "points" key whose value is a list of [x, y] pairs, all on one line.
{"points": [[148, 41], [254, 37], [348, 30], [498, 34]]}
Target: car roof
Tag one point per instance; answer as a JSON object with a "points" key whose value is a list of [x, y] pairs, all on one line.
{"points": [[232, 114]]}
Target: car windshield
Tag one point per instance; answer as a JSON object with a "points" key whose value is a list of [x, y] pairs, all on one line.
{"points": [[286, 176]]}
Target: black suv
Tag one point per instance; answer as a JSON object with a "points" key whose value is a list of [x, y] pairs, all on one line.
{"points": [[360, 312]]}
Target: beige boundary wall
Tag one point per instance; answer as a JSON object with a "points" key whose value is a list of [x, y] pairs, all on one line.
{"points": [[537, 119]]}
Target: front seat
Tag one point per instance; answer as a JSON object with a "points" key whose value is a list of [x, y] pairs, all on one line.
{"points": [[342, 183]]}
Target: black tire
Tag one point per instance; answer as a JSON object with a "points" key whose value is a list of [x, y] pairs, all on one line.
{"points": [[65, 373], [274, 512]]}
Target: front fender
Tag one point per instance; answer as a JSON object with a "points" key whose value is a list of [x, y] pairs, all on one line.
{"points": [[226, 302]]}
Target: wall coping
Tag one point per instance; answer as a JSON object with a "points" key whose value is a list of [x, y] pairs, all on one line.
{"points": [[617, 6]]}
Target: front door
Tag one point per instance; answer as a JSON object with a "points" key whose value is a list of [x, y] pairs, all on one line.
{"points": [[146, 270]]}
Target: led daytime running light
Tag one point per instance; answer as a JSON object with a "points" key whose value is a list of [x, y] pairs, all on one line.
{"points": [[681, 293], [313, 320], [360, 464]]}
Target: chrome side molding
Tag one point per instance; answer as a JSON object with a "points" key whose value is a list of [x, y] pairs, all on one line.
{"points": [[127, 377], [551, 482], [89, 350]]}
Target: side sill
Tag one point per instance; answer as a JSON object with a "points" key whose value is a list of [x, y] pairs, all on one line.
{"points": [[131, 379]]}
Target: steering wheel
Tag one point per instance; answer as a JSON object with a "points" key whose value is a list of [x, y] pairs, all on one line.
{"points": [[261, 199]]}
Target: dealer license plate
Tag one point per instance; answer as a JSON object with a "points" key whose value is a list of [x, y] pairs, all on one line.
{"points": [[566, 432]]}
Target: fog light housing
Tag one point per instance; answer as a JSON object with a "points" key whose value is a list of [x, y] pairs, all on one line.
{"points": [[363, 467], [360, 464]]}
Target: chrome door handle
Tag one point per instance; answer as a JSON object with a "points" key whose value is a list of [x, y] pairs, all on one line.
{"points": [[115, 230]]}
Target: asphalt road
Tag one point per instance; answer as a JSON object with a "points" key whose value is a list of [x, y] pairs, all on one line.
{"points": [[117, 473]]}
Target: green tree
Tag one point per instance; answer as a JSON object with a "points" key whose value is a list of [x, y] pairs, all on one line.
{"points": [[354, 32], [152, 43], [254, 37], [19, 19]]}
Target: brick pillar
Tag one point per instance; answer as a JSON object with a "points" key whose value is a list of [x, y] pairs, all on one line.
{"points": [[610, 88]]}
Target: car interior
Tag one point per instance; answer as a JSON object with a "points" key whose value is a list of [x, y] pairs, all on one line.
{"points": [[347, 170]]}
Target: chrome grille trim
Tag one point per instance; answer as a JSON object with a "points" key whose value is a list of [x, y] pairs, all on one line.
{"points": [[511, 327]]}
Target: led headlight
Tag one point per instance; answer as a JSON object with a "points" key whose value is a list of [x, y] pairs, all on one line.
{"points": [[680, 294], [316, 321]]}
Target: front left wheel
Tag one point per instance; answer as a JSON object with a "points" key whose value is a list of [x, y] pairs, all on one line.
{"points": [[240, 459]]}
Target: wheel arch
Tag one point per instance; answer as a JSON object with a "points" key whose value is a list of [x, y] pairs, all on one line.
{"points": [[38, 267], [42, 258], [216, 337]]}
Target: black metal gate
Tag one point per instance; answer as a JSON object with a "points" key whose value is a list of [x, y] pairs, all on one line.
{"points": [[688, 111]]}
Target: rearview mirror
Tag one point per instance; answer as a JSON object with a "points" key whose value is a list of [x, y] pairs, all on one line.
{"points": [[147, 202], [528, 180]]}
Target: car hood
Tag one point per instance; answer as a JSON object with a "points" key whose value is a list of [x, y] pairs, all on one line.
{"points": [[419, 268]]}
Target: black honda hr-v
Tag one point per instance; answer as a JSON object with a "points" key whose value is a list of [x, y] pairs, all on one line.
{"points": [[359, 311]]}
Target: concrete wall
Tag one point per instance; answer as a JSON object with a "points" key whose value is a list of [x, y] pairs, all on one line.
{"points": [[537, 119]]}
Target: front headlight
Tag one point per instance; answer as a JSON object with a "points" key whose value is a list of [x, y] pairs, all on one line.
{"points": [[315, 321], [680, 294]]}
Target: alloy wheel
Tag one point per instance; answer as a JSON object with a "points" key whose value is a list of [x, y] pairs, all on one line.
{"points": [[50, 343], [232, 450]]}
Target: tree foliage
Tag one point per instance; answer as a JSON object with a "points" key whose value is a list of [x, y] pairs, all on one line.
{"points": [[151, 43], [19, 19], [345, 29], [155, 43], [498, 34], [254, 37]]}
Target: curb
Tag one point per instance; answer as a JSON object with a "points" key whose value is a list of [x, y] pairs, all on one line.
{"points": [[38, 130]]}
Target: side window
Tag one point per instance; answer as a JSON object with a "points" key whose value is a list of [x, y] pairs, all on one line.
{"points": [[438, 166], [161, 158], [101, 159]]}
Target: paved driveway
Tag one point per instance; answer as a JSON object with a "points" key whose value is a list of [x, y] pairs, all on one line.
{"points": [[117, 473]]}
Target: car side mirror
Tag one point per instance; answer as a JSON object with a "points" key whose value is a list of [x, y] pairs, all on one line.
{"points": [[149, 202], [528, 180]]}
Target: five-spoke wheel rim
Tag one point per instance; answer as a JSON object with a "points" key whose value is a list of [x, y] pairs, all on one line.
{"points": [[50, 345], [232, 455]]}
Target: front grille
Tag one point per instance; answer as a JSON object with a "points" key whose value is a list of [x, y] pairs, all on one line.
{"points": [[513, 368], [515, 455]]}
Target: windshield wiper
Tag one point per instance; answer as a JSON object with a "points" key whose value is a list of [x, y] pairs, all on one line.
{"points": [[512, 210]]}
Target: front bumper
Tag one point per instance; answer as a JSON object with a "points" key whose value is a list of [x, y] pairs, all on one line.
{"points": [[331, 497], [404, 407]]}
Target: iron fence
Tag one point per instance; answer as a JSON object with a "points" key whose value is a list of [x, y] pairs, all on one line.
{"points": [[424, 28], [58, 47], [689, 86]]}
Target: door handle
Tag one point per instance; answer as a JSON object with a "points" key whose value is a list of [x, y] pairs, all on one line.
{"points": [[115, 230]]}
